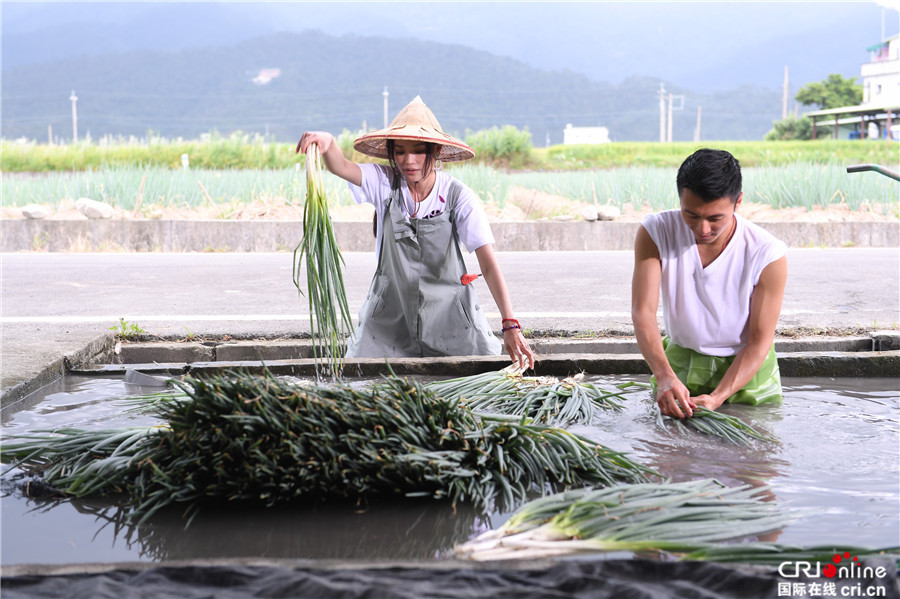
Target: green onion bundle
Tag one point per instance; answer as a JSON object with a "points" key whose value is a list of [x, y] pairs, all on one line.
{"points": [[241, 437], [80, 462], [674, 517], [774, 554], [329, 315], [543, 400], [718, 424]]}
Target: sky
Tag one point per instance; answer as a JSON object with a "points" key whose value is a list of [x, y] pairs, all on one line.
{"points": [[704, 46]]}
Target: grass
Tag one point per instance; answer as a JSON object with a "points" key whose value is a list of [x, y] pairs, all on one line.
{"points": [[793, 185], [508, 148]]}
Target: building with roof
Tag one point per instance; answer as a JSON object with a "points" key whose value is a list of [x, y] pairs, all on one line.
{"points": [[585, 135], [876, 116]]}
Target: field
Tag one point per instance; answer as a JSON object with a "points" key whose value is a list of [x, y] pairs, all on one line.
{"points": [[236, 176]]}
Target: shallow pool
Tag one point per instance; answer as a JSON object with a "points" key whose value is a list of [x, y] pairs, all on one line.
{"points": [[837, 462]]}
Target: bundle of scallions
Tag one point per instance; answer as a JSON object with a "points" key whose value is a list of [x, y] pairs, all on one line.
{"points": [[329, 316], [718, 424], [673, 517], [543, 400], [243, 437]]}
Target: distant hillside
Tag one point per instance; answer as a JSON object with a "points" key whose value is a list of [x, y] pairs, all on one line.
{"points": [[333, 83]]}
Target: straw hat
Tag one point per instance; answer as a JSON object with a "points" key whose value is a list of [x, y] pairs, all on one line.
{"points": [[416, 122]]}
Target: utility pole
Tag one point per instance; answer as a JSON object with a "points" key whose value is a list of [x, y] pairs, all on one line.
{"points": [[662, 112], [671, 108], [669, 130], [74, 99], [784, 95], [697, 130], [49, 135], [385, 94]]}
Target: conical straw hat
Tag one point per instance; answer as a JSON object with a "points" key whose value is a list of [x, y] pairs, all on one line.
{"points": [[414, 122]]}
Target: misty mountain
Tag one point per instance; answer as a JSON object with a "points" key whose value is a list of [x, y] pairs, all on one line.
{"points": [[705, 46], [335, 83]]}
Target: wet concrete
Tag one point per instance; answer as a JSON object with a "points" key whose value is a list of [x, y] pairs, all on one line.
{"points": [[57, 309]]}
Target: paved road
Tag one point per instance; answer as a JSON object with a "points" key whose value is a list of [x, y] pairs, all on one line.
{"points": [[54, 303]]}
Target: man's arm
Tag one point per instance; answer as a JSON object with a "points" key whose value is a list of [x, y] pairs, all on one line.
{"points": [[765, 308], [670, 392]]}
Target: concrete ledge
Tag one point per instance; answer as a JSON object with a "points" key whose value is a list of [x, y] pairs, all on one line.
{"points": [[815, 357], [799, 364], [298, 349], [96, 349], [272, 236], [841, 364]]}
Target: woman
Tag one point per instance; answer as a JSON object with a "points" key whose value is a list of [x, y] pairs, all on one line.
{"points": [[420, 302]]}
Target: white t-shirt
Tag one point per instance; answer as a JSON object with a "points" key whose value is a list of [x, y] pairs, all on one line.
{"points": [[472, 224], [708, 309]]}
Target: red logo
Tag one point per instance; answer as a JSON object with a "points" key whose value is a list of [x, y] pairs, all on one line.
{"points": [[830, 570]]}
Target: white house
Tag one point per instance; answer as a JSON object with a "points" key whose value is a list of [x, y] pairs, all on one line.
{"points": [[876, 116], [881, 75], [585, 135]]}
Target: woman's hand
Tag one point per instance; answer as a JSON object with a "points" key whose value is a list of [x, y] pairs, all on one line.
{"points": [[331, 155], [322, 139], [517, 348]]}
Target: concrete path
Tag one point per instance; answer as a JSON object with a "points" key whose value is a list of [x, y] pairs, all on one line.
{"points": [[56, 305]]}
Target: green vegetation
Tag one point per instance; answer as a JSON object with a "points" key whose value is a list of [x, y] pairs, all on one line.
{"points": [[211, 151], [127, 330], [319, 255], [834, 92], [227, 174], [718, 424], [792, 128], [672, 517], [802, 184], [506, 147], [258, 438], [543, 400]]}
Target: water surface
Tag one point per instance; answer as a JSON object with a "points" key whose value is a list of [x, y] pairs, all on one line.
{"points": [[836, 463]]}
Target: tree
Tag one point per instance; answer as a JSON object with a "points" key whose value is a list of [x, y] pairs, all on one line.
{"points": [[834, 92], [791, 128]]}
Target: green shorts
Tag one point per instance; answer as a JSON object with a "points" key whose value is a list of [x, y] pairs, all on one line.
{"points": [[701, 373]]}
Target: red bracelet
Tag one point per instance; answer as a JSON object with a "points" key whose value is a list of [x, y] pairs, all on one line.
{"points": [[510, 327]]}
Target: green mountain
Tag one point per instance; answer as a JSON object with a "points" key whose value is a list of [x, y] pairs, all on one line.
{"points": [[335, 83]]}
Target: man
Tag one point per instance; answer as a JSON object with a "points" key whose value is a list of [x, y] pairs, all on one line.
{"points": [[722, 281]]}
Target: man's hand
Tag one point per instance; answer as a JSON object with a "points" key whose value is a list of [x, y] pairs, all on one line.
{"points": [[673, 397], [707, 401]]}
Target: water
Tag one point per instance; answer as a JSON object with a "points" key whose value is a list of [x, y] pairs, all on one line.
{"points": [[836, 464]]}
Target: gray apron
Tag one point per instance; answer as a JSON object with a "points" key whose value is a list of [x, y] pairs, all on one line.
{"points": [[417, 306]]}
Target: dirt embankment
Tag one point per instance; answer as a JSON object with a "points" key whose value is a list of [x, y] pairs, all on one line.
{"points": [[523, 204]]}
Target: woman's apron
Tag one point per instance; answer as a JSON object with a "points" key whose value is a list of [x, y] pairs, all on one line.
{"points": [[417, 305]]}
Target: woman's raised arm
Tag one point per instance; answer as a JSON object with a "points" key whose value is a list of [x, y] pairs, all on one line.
{"points": [[331, 154]]}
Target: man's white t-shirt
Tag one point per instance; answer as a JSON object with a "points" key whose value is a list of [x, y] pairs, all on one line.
{"points": [[708, 309], [472, 224]]}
